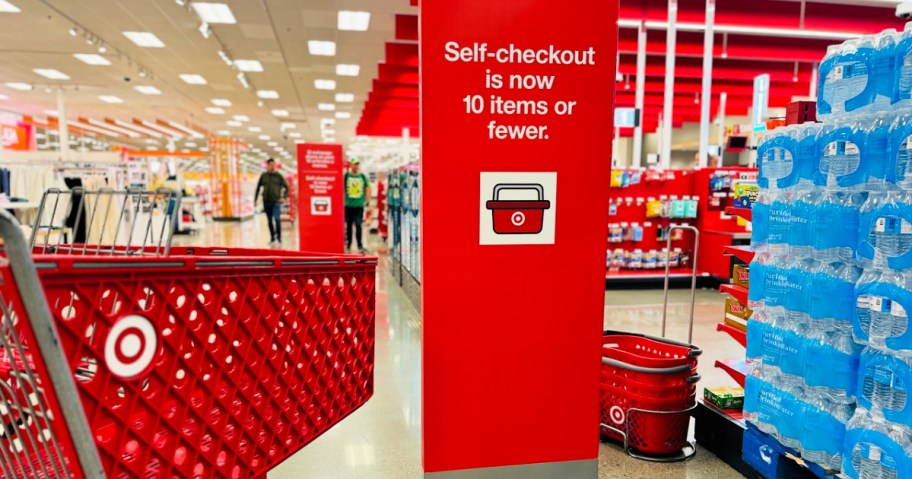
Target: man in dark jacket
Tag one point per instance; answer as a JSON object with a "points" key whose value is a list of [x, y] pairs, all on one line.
{"points": [[275, 192]]}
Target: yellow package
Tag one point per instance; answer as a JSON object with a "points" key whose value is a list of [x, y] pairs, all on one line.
{"points": [[653, 208], [617, 178]]}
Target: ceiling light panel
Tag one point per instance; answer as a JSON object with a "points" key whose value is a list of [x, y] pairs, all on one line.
{"points": [[254, 129], [288, 126], [321, 48], [294, 134], [214, 110], [193, 79], [265, 137], [148, 90], [327, 106], [345, 97], [280, 113], [233, 123], [268, 94], [7, 7], [92, 59], [343, 115], [249, 65], [353, 21], [111, 99], [348, 70], [221, 102], [241, 118], [325, 84], [144, 39], [214, 12], [51, 73]]}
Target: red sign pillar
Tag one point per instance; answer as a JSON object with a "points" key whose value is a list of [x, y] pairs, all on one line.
{"points": [[321, 209], [516, 127]]}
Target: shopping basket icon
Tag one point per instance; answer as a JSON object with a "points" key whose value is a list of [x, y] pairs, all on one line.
{"points": [[518, 217]]}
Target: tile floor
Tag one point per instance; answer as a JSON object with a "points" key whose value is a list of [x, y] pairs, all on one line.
{"points": [[382, 439]]}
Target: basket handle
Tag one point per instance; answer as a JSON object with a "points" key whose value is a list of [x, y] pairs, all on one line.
{"points": [[640, 369], [519, 186], [694, 350]]}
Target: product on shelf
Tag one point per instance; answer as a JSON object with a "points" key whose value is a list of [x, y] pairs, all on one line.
{"points": [[724, 397]]}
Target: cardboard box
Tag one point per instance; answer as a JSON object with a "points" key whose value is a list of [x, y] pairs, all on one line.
{"points": [[798, 112], [741, 275], [736, 314], [725, 397]]}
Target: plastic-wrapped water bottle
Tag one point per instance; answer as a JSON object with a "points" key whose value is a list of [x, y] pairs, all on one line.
{"points": [[832, 298], [844, 81], [885, 380], [902, 67], [885, 230], [774, 411], [834, 375], [824, 431], [881, 320], [839, 146], [899, 166], [876, 449], [883, 68], [797, 298]]}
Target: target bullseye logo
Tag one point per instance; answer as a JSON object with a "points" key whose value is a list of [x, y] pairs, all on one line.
{"points": [[130, 346], [617, 414], [518, 218]]}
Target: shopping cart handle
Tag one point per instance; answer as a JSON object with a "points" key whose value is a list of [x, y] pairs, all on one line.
{"points": [[694, 351], [639, 369]]}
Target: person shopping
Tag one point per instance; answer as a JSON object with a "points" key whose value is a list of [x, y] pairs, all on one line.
{"points": [[275, 192], [357, 190]]}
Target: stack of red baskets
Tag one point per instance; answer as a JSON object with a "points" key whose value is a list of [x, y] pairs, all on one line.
{"points": [[648, 388]]}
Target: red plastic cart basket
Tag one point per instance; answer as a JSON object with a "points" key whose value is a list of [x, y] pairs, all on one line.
{"points": [[205, 363], [647, 425], [518, 217], [648, 351]]}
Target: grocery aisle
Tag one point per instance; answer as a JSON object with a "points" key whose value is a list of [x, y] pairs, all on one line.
{"points": [[382, 439]]}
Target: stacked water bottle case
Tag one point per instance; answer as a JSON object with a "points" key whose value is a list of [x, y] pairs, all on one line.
{"points": [[830, 343]]}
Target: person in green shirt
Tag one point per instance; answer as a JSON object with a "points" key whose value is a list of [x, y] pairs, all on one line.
{"points": [[357, 190], [275, 192]]}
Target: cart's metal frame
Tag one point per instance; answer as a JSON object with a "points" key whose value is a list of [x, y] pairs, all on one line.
{"points": [[62, 383]]}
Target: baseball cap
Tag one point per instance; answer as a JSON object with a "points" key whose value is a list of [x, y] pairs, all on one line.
{"points": [[354, 161]]}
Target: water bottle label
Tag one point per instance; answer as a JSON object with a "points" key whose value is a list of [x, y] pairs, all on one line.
{"points": [[837, 73], [897, 310], [883, 375], [879, 304], [863, 302]]}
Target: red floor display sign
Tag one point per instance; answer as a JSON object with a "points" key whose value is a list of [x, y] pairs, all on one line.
{"points": [[516, 105], [321, 213]]}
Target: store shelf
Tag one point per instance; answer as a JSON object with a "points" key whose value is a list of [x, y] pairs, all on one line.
{"points": [[721, 433], [744, 253], [737, 292], [651, 273], [735, 333], [740, 212], [736, 368], [735, 235]]}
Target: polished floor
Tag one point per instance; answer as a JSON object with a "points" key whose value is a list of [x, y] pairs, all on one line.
{"points": [[382, 439]]}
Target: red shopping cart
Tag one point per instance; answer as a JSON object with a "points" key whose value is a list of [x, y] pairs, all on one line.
{"points": [[136, 359], [518, 216], [648, 388]]}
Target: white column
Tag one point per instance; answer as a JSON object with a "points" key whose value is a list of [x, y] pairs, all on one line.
{"points": [[405, 145], [668, 112], [706, 96], [721, 118], [62, 126], [640, 95]]}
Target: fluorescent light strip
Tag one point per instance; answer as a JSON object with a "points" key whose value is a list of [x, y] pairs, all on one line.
{"points": [[214, 12], [51, 73], [214, 110], [221, 102], [123, 131], [92, 59], [140, 129], [241, 118], [193, 79], [268, 94], [321, 48], [280, 113], [345, 97], [148, 90], [742, 30], [88, 127], [186, 130], [19, 86], [348, 70], [254, 129], [343, 115], [322, 84], [249, 65], [111, 99], [7, 7], [144, 39], [326, 106], [234, 123], [163, 129], [353, 21]]}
